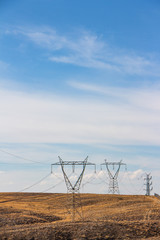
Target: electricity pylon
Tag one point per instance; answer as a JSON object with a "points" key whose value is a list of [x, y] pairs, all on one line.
{"points": [[113, 177], [74, 188], [148, 184]]}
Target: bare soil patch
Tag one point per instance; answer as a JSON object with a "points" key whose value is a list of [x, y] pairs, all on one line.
{"points": [[33, 216]]}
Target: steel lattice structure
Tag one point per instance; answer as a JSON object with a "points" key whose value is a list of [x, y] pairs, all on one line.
{"points": [[74, 189], [113, 177], [148, 184]]}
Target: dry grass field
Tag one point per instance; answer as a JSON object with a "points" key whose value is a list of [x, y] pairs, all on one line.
{"points": [[34, 216]]}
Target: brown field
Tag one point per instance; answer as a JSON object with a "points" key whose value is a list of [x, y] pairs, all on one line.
{"points": [[35, 216]]}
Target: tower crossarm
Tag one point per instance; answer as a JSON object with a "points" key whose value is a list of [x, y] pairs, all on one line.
{"points": [[72, 163], [119, 164], [70, 186]]}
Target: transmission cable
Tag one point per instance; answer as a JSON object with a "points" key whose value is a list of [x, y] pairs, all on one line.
{"points": [[35, 183], [52, 187], [92, 178], [57, 176], [22, 197], [133, 185], [19, 157]]}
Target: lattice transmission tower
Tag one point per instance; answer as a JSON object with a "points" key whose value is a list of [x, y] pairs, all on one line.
{"points": [[113, 176], [148, 184], [74, 188]]}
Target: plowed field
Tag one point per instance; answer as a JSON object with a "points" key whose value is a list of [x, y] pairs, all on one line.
{"points": [[36, 216]]}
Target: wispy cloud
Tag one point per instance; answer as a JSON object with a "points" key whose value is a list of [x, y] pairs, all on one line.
{"points": [[29, 118], [146, 98], [88, 50]]}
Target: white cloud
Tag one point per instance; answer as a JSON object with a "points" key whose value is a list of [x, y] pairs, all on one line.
{"points": [[88, 50], [145, 98], [44, 37], [138, 174], [35, 118]]}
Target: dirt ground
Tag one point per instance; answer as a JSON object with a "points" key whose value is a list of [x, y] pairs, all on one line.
{"points": [[33, 216]]}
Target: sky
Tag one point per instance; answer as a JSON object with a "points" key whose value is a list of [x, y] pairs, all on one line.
{"points": [[77, 79]]}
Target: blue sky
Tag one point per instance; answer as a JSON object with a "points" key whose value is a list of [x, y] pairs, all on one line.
{"points": [[79, 78]]}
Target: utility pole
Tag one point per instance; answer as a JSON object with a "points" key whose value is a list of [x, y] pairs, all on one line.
{"points": [[113, 177], [74, 189], [148, 184]]}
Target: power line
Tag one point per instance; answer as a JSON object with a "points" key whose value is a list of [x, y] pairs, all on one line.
{"points": [[61, 178], [36, 183], [133, 185], [23, 197], [19, 157], [52, 186], [95, 177]]}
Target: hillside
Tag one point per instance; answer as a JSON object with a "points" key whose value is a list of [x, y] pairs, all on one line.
{"points": [[48, 216]]}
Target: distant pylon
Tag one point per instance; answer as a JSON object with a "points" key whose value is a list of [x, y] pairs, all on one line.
{"points": [[148, 184], [74, 189], [113, 177]]}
